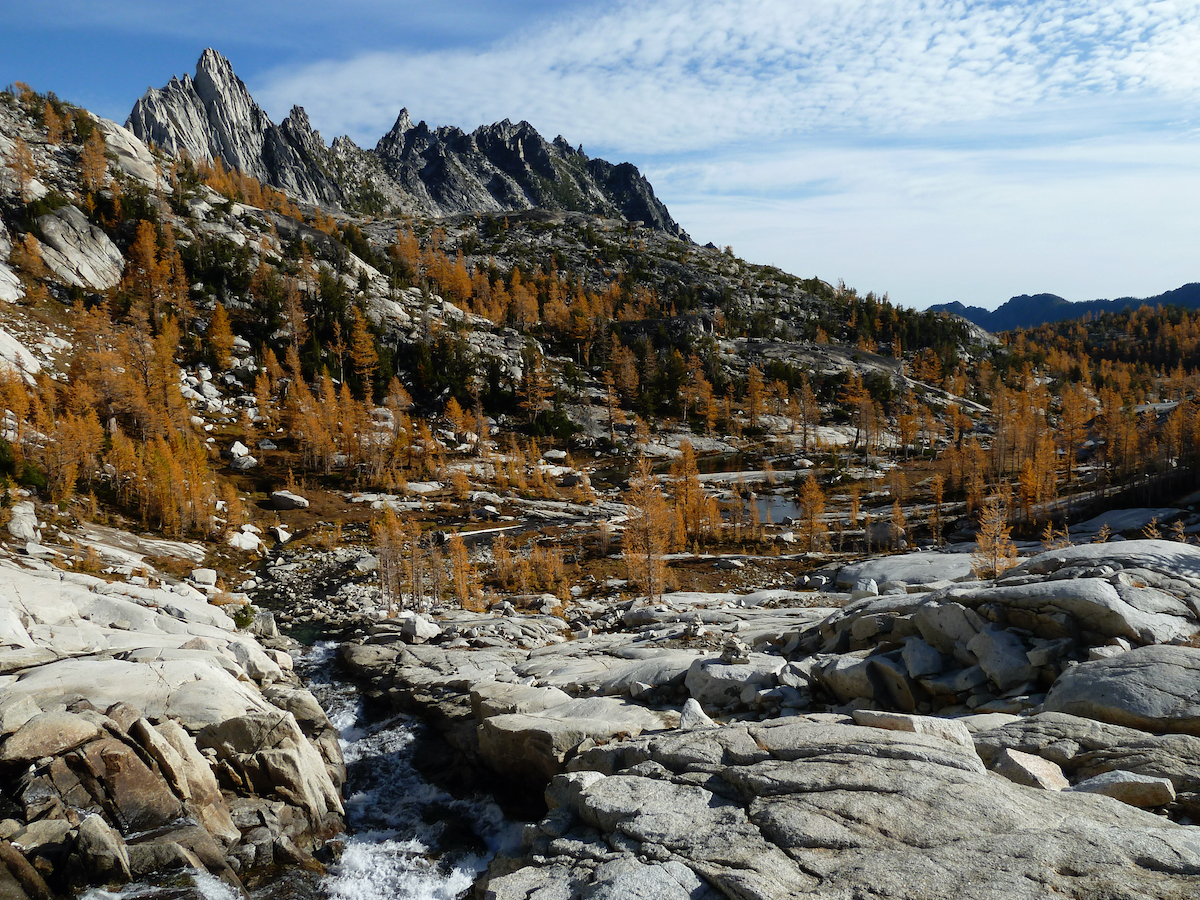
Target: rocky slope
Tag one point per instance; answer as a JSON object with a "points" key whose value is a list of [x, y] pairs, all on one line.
{"points": [[412, 170], [800, 762], [141, 732]]}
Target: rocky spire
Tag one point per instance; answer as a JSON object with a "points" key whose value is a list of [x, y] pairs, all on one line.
{"points": [[496, 168], [213, 116]]}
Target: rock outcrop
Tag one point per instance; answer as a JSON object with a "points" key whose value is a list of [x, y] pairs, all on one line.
{"points": [[805, 808], [78, 252], [140, 732], [213, 116], [413, 169]]}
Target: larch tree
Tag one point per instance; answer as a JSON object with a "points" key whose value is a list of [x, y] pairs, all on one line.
{"points": [[462, 573], [808, 411], [937, 490], [93, 164], [1072, 419], [754, 395], [23, 167], [536, 389], [647, 531], [898, 524], [362, 353], [994, 549], [812, 508], [54, 124], [389, 535], [220, 338]]}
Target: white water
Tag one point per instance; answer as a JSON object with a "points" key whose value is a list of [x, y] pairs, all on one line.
{"points": [[203, 885], [407, 840]]}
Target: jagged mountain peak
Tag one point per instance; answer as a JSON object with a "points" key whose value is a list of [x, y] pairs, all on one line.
{"points": [[502, 167]]}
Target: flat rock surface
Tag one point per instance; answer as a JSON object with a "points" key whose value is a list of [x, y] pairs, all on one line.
{"points": [[800, 808]]}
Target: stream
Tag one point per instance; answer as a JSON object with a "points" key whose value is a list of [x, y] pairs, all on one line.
{"points": [[406, 838]]}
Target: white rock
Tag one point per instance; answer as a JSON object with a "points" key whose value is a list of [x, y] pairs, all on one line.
{"points": [[1030, 770], [245, 541], [694, 716], [946, 729], [10, 285], [239, 450], [284, 500], [206, 577], [1130, 787], [23, 524], [418, 628], [78, 252], [863, 588]]}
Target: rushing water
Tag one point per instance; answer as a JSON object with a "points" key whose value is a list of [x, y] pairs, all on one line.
{"points": [[407, 839]]}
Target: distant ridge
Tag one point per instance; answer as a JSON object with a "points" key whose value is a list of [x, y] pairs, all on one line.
{"points": [[413, 170], [1029, 311]]}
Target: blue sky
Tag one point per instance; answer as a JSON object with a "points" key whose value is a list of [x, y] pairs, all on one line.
{"points": [[933, 150]]}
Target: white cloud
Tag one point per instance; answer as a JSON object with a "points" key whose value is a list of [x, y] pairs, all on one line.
{"points": [[938, 150], [1102, 218], [677, 75]]}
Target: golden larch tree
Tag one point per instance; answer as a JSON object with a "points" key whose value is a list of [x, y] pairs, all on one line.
{"points": [[647, 531], [220, 338]]}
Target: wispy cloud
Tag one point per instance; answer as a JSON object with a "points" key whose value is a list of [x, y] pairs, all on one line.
{"points": [[936, 149], [678, 76]]}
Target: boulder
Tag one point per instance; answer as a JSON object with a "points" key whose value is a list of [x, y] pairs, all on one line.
{"points": [[946, 625], [243, 463], [864, 587], [1030, 770], [1151, 688], [48, 734], [141, 797], [205, 577], [1085, 747], [205, 799], [1143, 615], [18, 876], [848, 677], [15, 712], [269, 749], [492, 698], [920, 658], [417, 628], [1002, 657], [715, 684], [23, 523], [693, 717], [103, 852], [1131, 788], [78, 252], [945, 729], [285, 500], [893, 676]]}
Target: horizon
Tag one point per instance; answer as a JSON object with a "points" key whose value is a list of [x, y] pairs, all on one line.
{"points": [[931, 152]]}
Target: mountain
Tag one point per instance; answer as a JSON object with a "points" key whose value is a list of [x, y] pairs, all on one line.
{"points": [[1029, 311], [413, 169]]}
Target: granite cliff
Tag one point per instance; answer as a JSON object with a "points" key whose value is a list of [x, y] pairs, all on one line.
{"points": [[414, 169]]}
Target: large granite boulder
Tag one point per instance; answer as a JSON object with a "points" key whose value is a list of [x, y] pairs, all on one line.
{"points": [[1150, 688], [78, 252]]}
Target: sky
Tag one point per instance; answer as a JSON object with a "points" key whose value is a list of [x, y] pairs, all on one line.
{"points": [[933, 150]]}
